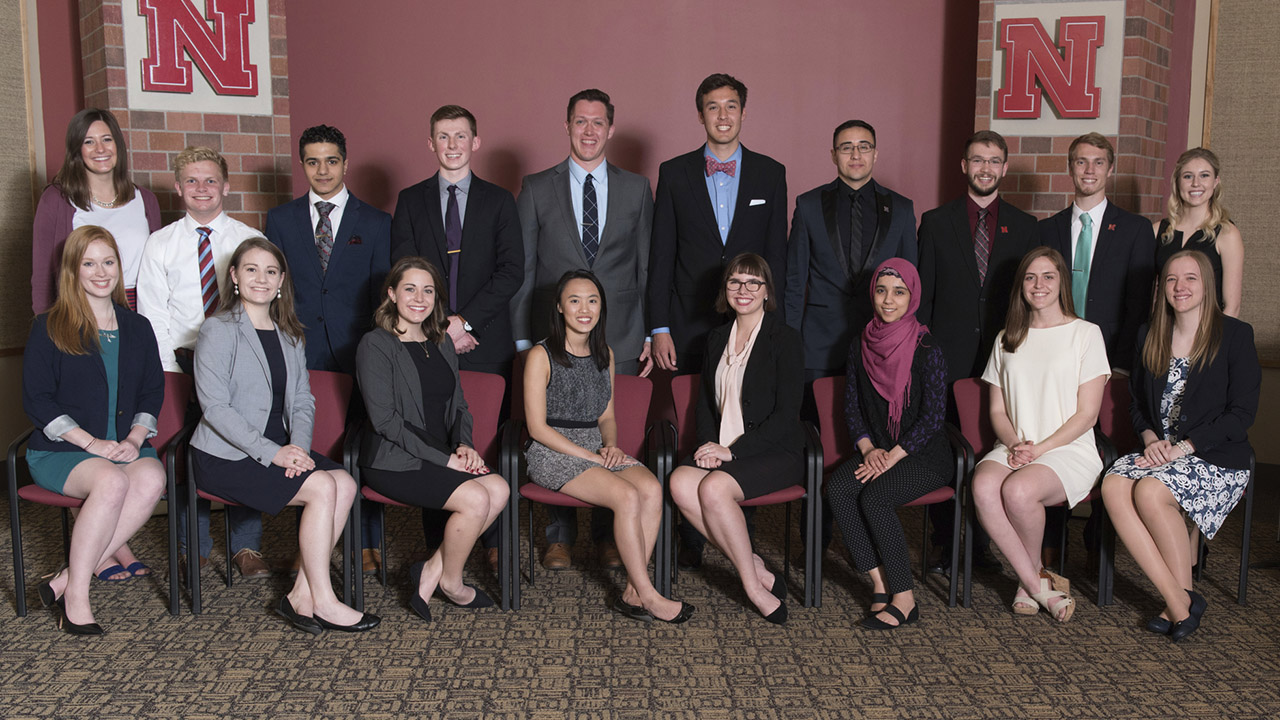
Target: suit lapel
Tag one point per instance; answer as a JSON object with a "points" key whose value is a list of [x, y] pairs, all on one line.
{"points": [[342, 236], [435, 220], [1063, 219], [611, 212], [564, 203], [964, 242], [306, 239], [830, 201], [697, 174], [884, 215], [1105, 242], [249, 336]]}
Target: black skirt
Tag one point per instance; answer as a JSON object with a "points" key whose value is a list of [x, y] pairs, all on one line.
{"points": [[245, 482], [761, 474], [429, 487]]}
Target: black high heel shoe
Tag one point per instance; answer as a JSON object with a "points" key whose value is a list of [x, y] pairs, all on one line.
{"points": [[45, 588], [779, 616], [779, 587], [65, 625], [416, 602]]}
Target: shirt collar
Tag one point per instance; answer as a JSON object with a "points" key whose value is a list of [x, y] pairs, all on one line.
{"points": [[218, 224], [736, 156], [464, 185], [579, 173], [1096, 213], [340, 200]]}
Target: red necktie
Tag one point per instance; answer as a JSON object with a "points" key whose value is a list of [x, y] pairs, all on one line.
{"points": [[714, 166], [982, 245], [208, 274]]}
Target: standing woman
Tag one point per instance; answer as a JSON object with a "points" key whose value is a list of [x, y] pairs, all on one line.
{"points": [[1195, 393], [92, 188], [252, 445], [419, 450], [93, 387], [1198, 220], [751, 442], [1046, 375], [895, 405], [573, 447]]}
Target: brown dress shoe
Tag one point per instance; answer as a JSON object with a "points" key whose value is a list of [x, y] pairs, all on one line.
{"points": [[556, 557], [491, 559], [250, 564], [371, 560], [610, 559]]}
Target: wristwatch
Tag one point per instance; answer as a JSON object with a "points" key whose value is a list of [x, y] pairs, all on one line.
{"points": [[465, 325]]}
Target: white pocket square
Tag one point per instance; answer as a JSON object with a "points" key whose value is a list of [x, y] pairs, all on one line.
{"points": [[757, 201]]}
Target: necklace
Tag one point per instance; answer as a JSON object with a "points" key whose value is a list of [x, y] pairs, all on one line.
{"points": [[423, 344], [103, 203]]}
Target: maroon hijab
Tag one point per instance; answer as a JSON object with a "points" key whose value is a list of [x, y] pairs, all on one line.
{"points": [[889, 348]]}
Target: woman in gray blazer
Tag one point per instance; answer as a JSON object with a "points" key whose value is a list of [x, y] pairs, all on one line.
{"points": [[252, 444], [418, 450]]}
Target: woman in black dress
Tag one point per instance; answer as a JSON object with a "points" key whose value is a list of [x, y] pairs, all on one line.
{"points": [[419, 448], [252, 445]]}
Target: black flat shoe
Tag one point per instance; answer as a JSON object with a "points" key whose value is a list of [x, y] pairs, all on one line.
{"points": [[1183, 628], [66, 626], [367, 621], [481, 600], [1198, 604], [779, 616], [635, 612], [874, 623], [779, 587], [299, 622], [416, 603], [686, 612], [1159, 625]]}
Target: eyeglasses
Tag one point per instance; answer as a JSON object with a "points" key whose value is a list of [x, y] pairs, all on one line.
{"points": [[752, 285], [848, 148], [994, 162]]}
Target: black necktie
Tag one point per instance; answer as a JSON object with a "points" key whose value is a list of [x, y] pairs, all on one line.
{"points": [[453, 236], [590, 228], [855, 233]]}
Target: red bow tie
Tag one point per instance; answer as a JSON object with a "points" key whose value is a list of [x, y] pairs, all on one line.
{"points": [[714, 166]]}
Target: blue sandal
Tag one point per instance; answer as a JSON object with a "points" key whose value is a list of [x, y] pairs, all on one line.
{"points": [[136, 567], [105, 575]]}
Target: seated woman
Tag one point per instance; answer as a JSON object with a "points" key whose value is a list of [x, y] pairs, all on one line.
{"points": [[751, 442], [419, 450], [1047, 372], [252, 445], [895, 405], [573, 446], [1195, 392], [93, 386]]}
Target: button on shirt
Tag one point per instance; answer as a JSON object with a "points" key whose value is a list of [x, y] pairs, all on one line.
{"points": [[724, 192], [335, 215], [600, 179], [1096, 214], [464, 189], [169, 279]]}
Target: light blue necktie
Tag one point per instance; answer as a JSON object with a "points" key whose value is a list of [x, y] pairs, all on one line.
{"points": [[1080, 264]]}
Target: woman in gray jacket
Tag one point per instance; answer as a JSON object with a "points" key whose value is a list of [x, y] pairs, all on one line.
{"points": [[418, 450], [252, 445]]}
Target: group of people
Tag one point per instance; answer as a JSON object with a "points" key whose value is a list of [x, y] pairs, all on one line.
{"points": [[704, 279]]}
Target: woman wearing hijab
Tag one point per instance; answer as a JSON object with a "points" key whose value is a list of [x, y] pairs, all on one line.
{"points": [[895, 404]]}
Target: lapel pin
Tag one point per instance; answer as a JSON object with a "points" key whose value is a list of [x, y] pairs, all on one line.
{"points": [[1004, 229], [1111, 227]]}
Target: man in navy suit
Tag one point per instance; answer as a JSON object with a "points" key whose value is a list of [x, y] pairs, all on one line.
{"points": [[339, 251], [840, 234], [468, 228], [1111, 253]]}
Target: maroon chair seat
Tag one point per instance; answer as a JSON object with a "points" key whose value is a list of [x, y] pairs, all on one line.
{"points": [[37, 494]]}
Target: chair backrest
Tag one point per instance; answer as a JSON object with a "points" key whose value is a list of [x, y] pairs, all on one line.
{"points": [[332, 391], [1114, 419], [631, 397], [837, 446], [973, 405], [177, 398], [484, 398], [684, 400]]}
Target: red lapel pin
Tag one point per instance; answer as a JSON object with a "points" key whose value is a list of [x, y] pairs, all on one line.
{"points": [[1004, 229], [1112, 226]]}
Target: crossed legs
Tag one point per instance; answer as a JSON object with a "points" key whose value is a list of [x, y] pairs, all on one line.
{"points": [[1149, 521], [325, 498], [472, 508]]}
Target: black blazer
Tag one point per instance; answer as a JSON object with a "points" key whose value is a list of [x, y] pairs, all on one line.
{"points": [[1120, 276], [335, 307], [56, 384], [1220, 401], [772, 387], [686, 256], [492, 265], [965, 315]]}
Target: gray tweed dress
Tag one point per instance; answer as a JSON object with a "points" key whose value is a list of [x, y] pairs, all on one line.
{"points": [[576, 398]]}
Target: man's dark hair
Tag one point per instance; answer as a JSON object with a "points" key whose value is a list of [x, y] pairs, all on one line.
{"points": [[452, 112], [322, 134], [722, 80], [990, 137], [853, 124], [590, 95]]}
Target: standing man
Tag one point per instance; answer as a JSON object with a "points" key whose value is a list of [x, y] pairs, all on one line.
{"points": [[1111, 253], [969, 253], [183, 265], [712, 204], [840, 234], [586, 214], [339, 251], [468, 228]]}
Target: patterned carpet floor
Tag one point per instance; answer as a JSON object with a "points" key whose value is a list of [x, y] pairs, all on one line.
{"points": [[565, 654]]}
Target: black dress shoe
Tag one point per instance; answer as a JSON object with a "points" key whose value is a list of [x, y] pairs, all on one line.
{"points": [[481, 600], [635, 612], [367, 621], [1159, 625], [65, 625], [299, 622], [686, 612], [416, 602], [779, 616], [940, 561]]}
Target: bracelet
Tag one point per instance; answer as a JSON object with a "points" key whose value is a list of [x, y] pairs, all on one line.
{"points": [[1185, 447]]}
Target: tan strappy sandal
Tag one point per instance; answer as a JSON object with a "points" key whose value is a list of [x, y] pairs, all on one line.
{"points": [[1063, 610]]}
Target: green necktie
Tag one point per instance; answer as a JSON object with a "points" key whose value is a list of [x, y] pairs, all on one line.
{"points": [[1080, 264]]}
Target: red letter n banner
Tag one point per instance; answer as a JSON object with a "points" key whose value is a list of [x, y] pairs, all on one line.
{"points": [[1031, 57], [176, 29]]}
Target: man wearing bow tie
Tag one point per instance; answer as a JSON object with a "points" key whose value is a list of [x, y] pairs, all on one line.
{"points": [[712, 204], [840, 234]]}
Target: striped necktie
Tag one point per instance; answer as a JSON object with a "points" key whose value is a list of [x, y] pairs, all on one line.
{"points": [[982, 245], [590, 225], [208, 273]]}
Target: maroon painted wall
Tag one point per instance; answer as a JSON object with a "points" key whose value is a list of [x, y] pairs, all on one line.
{"points": [[61, 81], [908, 67]]}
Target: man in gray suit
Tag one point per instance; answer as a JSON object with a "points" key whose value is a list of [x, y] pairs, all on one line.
{"points": [[586, 214]]}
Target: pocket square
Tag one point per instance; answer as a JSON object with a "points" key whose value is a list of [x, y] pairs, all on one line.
{"points": [[355, 240], [757, 201]]}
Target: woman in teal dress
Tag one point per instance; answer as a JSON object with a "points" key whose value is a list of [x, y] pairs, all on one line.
{"points": [[93, 387]]}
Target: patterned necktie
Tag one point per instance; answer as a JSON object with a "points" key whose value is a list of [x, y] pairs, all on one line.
{"points": [[590, 228], [714, 166], [982, 245], [453, 236], [324, 234], [208, 273], [1080, 264], [855, 233]]}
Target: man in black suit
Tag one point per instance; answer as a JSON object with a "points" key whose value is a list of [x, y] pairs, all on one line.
{"points": [[468, 228], [1111, 254], [712, 204], [969, 253], [339, 251]]}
